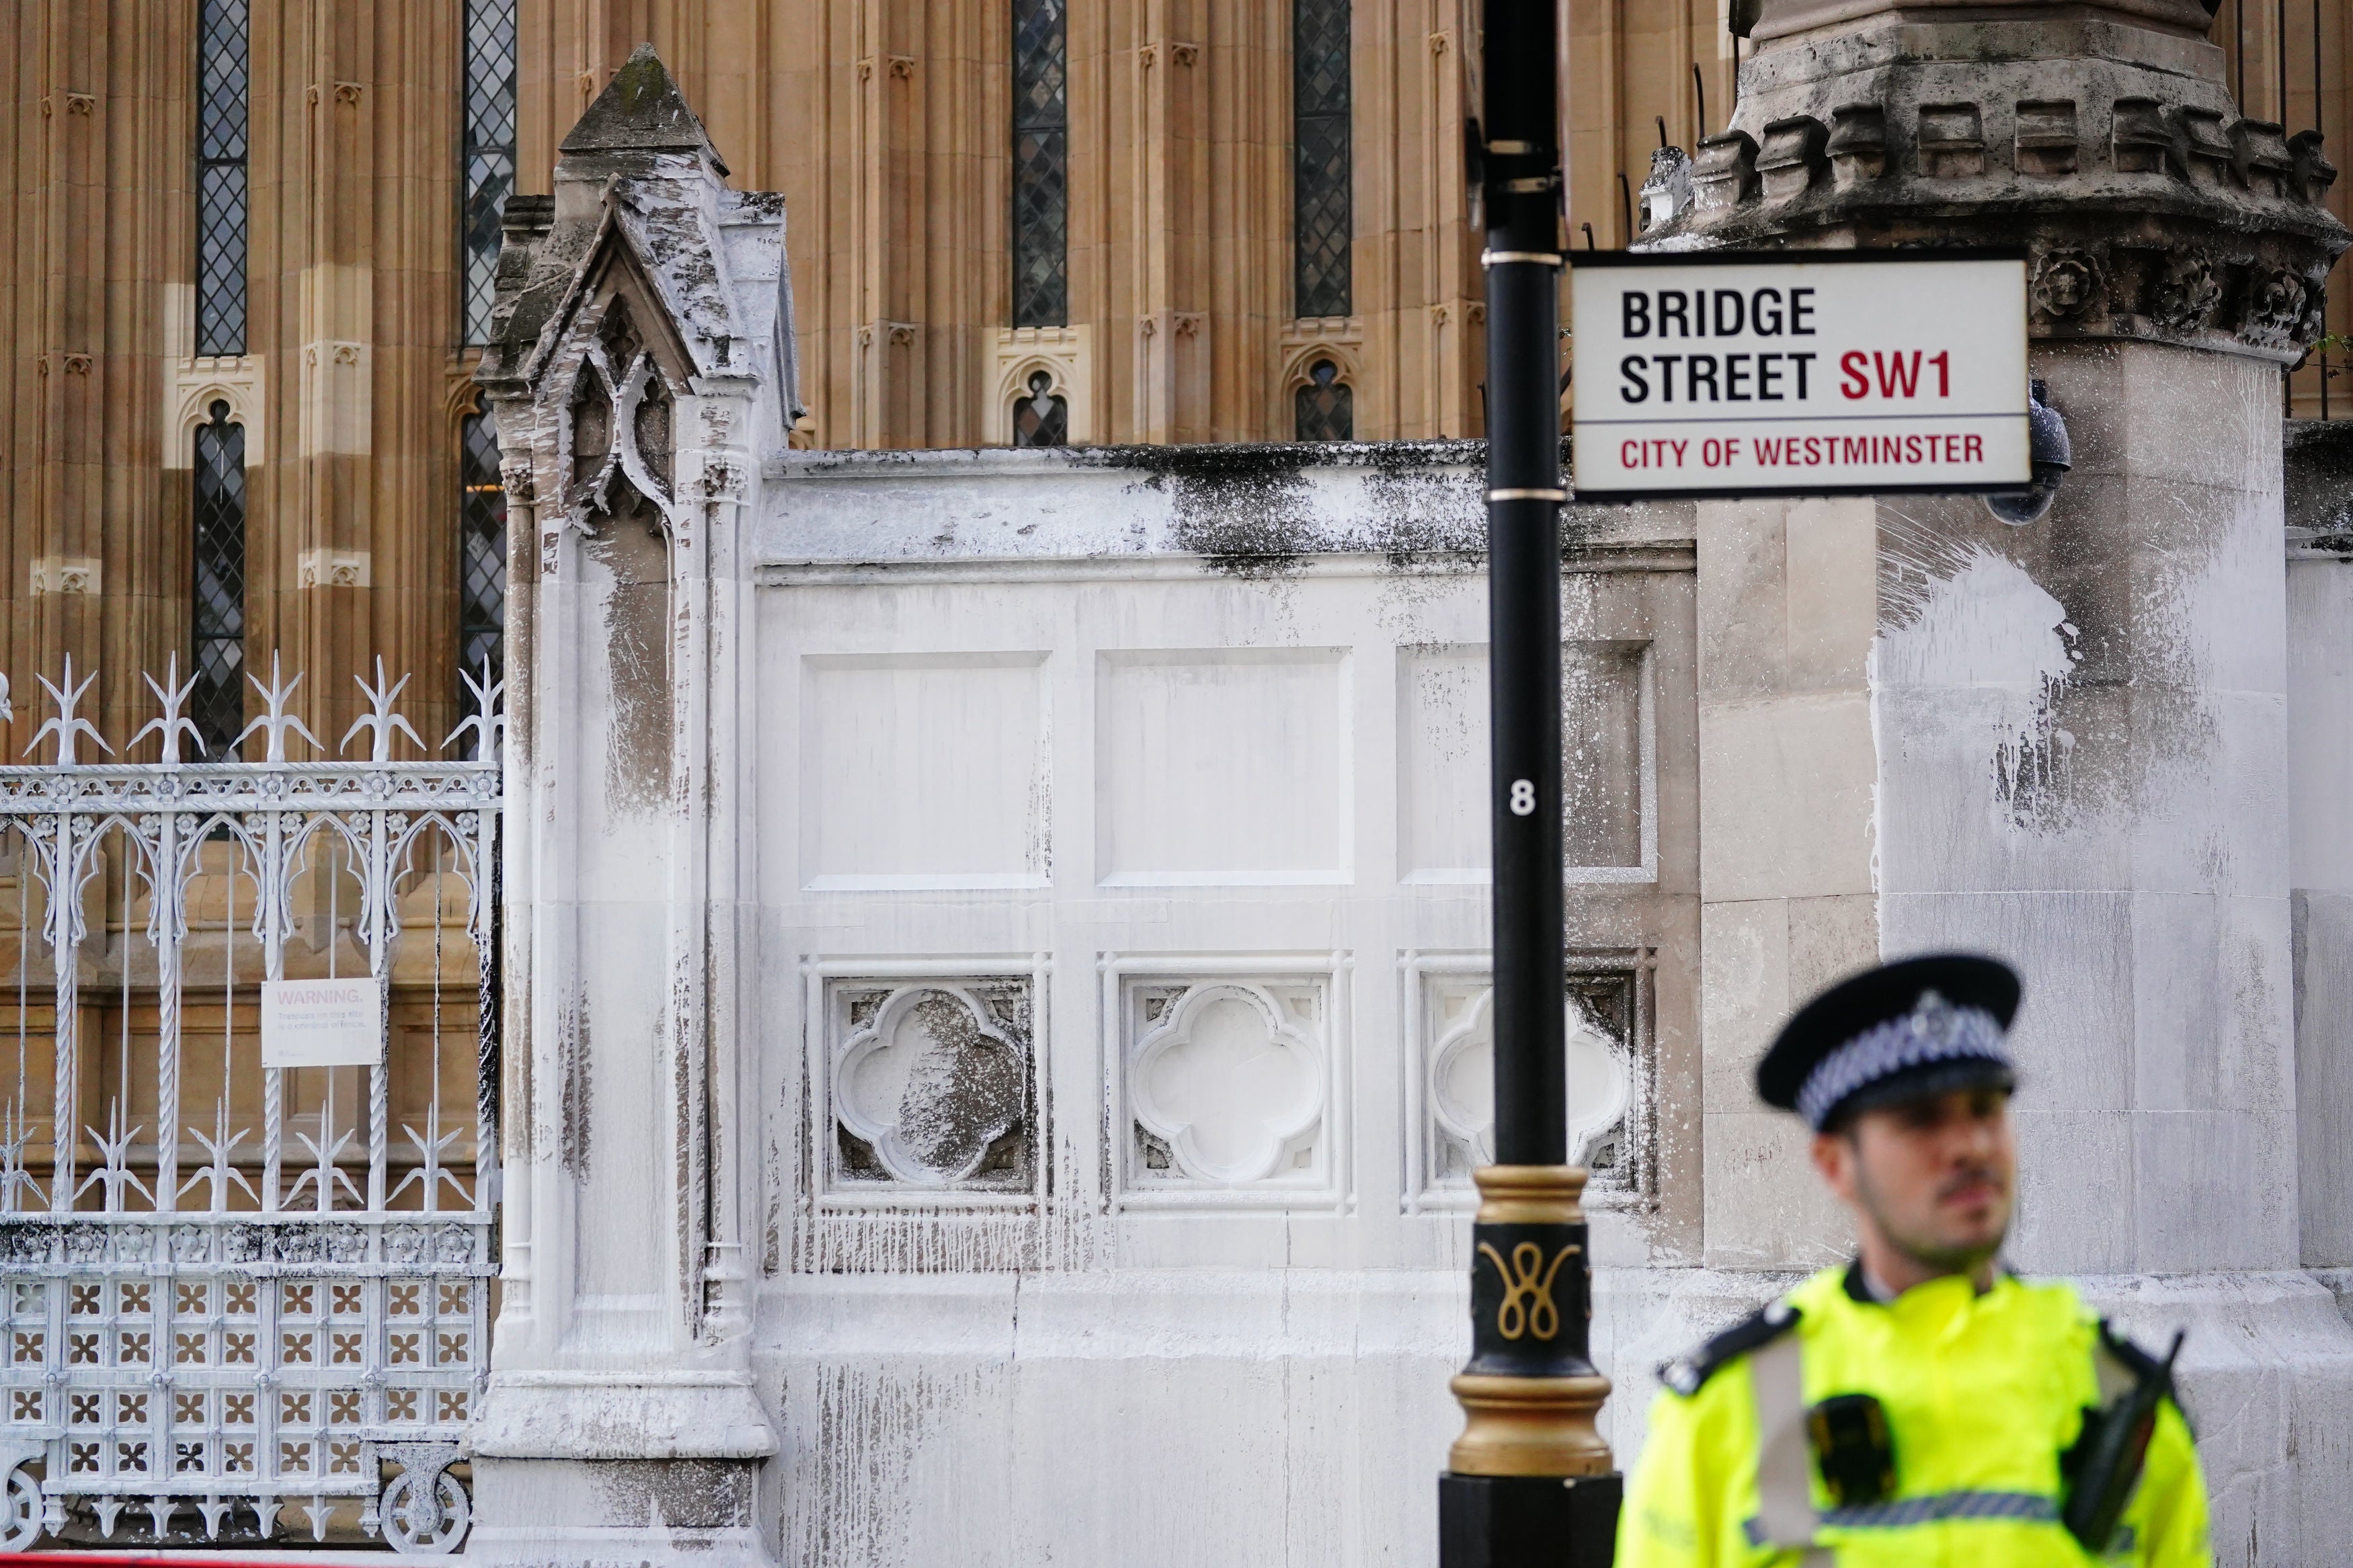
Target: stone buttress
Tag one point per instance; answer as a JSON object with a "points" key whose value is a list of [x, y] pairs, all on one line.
{"points": [[2065, 742], [642, 360]]}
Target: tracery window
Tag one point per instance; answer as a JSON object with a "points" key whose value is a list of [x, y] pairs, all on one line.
{"points": [[482, 550], [221, 83], [217, 604], [1324, 406], [1041, 153], [1041, 417], [488, 161], [1319, 115]]}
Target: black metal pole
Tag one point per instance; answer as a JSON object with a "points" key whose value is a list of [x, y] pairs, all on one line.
{"points": [[1524, 497], [1529, 1481]]}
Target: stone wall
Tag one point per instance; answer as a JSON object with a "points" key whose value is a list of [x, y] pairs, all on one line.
{"points": [[1123, 755], [351, 387], [2320, 837], [999, 939]]}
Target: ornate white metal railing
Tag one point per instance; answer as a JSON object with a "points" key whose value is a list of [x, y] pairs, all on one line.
{"points": [[235, 1293]]}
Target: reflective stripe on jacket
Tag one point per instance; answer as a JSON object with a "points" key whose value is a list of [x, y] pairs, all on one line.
{"points": [[1983, 1395]]}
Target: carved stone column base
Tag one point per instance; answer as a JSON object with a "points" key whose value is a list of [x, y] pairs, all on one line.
{"points": [[584, 1469], [616, 1513]]}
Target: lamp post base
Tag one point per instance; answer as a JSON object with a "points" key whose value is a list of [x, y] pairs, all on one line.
{"points": [[1529, 1483], [1518, 1522], [1529, 1425]]}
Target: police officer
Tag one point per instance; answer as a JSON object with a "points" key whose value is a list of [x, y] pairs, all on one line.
{"points": [[1917, 1406]]}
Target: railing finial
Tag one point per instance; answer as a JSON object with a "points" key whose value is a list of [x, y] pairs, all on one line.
{"points": [[277, 721], [174, 697], [488, 718], [67, 724], [380, 716]]}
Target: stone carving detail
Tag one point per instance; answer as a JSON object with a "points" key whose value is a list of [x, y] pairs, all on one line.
{"points": [[1858, 144], [515, 478], [2046, 141], [1460, 1068], [931, 1086], [1228, 1085], [2259, 151], [2066, 281], [723, 480], [2184, 292], [2275, 310], [1793, 153], [1724, 174], [2315, 320], [2105, 170], [619, 423], [1952, 140], [2314, 173], [2142, 143], [2207, 149]]}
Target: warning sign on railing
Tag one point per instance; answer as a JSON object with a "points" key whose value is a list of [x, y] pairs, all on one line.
{"points": [[322, 1022], [1732, 374]]}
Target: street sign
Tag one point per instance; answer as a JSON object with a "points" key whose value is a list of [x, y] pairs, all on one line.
{"points": [[1818, 373], [322, 1022]]}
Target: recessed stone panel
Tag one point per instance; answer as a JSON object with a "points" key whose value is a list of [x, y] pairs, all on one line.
{"points": [[1223, 766], [924, 770], [1609, 815], [1443, 826]]}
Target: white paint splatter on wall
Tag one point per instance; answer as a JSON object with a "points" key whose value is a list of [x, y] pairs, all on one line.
{"points": [[1999, 649]]}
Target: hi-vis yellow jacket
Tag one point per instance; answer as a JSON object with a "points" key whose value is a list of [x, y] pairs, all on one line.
{"points": [[1983, 1395]]}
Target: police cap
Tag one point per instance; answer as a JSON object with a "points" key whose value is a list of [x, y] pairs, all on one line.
{"points": [[1899, 1032]]}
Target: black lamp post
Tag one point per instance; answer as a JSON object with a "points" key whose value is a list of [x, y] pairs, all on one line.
{"points": [[1529, 1481]]}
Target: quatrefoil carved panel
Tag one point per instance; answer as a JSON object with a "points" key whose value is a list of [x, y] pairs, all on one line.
{"points": [[1462, 1081], [933, 1085], [1231, 1084]]}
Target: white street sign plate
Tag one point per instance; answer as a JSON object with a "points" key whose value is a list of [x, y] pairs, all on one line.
{"points": [[1720, 374], [322, 1022]]}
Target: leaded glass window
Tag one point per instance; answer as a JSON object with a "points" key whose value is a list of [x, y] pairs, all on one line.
{"points": [[488, 163], [482, 550], [221, 82], [217, 618], [1319, 115], [1041, 418], [1326, 409], [1041, 161]]}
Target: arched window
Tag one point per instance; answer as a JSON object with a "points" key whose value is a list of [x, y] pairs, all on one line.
{"points": [[217, 607], [1041, 143], [1042, 419], [1321, 159], [221, 77], [481, 552], [1326, 408], [487, 160]]}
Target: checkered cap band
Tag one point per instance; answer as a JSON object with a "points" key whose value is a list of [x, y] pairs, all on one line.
{"points": [[1934, 1031]]}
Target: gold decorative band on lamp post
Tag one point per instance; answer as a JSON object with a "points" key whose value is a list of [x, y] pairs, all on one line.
{"points": [[1530, 1480], [1530, 1394], [1529, 1427]]}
